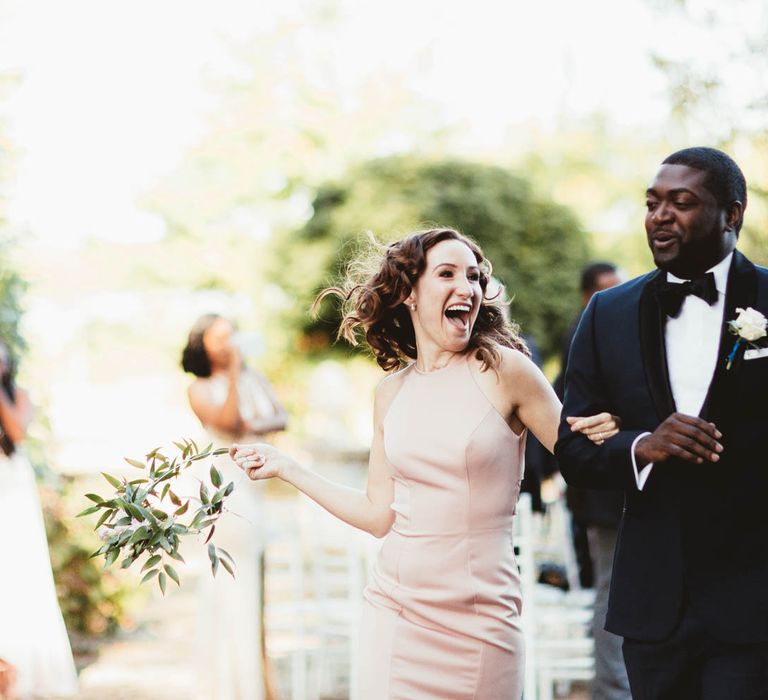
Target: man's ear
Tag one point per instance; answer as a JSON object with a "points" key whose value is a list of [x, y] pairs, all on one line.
{"points": [[734, 216]]}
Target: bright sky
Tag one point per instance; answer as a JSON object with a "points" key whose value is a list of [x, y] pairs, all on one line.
{"points": [[112, 93]]}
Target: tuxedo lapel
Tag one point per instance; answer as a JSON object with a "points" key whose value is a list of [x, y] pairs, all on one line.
{"points": [[741, 292], [654, 349]]}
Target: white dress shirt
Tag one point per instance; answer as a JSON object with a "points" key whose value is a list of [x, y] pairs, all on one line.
{"points": [[692, 342]]}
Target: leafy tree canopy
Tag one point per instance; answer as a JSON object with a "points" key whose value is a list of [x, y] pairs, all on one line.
{"points": [[537, 247]]}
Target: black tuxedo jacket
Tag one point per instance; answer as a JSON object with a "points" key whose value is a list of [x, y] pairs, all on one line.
{"points": [[696, 533]]}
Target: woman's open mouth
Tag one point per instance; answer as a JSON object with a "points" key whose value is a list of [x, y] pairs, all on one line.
{"points": [[458, 315]]}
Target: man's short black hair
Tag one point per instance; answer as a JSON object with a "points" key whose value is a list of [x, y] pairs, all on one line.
{"points": [[591, 273], [724, 178]]}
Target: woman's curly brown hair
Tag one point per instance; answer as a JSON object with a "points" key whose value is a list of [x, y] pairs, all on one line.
{"points": [[376, 287]]}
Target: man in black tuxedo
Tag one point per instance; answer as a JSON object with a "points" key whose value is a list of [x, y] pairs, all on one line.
{"points": [[690, 579]]}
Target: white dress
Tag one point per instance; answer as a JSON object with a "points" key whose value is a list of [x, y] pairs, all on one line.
{"points": [[230, 612], [32, 634]]}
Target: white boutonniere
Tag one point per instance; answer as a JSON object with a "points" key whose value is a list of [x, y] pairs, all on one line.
{"points": [[748, 327]]}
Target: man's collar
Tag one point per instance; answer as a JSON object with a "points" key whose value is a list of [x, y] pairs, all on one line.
{"points": [[720, 271]]}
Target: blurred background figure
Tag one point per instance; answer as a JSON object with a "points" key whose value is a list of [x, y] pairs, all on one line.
{"points": [[33, 639], [233, 403], [595, 517], [230, 399]]}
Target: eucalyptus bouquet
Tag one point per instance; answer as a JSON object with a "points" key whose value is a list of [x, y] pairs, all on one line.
{"points": [[145, 516]]}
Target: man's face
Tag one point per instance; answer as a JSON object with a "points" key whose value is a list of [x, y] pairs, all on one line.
{"points": [[688, 232], [604, 281]]}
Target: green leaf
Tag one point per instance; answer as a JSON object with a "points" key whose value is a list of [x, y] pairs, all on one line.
{"points": [[148, 515], [226, 554], [127, 562], [220, 451], [134, 511], [210, 534], [134, 462], [183, 509], [180, 446], [112, 480], [154, 559], [165, 490], [162, 580], [208, 448], [215, 476], [149, 575], [230, 488], [215, 565], [228, 567], [218, 496], [141, 494], [88, 511], [174, 498], [94, 497], [172, 573], [106, 514], [199, 517], [204, 497], [141, 533], [175, 555], [112, 554]]}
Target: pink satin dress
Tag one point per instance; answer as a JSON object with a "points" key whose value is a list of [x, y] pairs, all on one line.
{"points": [[441, 619]]}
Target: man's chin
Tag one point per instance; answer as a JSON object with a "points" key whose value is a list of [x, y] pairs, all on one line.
{"points": [[665, 262]]}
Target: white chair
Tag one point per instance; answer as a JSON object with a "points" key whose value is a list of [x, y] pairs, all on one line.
{"points": [[314, 584]]}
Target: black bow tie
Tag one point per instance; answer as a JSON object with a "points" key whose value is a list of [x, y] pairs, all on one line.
{"points": [[671, 295]]}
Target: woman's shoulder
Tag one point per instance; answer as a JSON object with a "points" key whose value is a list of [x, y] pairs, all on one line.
{"points": [[389, 387], [511, 363], [200, 386], [392, 382]]}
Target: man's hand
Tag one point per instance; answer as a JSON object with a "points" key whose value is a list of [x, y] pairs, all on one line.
{"points": [[681, 436]]}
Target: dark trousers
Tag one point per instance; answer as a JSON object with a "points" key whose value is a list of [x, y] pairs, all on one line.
{"points": [[691, 665]]}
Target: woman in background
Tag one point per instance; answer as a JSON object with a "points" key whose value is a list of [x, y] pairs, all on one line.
{"points": [[33, 639], [230, 400], [233, 402]]}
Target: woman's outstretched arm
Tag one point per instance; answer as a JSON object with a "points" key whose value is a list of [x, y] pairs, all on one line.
{"points": [[367, 510]]}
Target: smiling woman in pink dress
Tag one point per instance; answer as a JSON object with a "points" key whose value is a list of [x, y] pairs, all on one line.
{"points": [[441, 620]]}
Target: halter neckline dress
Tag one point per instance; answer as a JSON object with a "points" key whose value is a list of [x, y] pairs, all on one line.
{"points": [[442, 613]]}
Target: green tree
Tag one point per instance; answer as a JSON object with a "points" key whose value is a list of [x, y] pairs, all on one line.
{"points": [[717, 91], [11, 285], [536, 246]]}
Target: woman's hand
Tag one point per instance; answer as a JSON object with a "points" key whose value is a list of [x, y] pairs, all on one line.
{"points": [[261, 461], [597, 428], [235, 363]]}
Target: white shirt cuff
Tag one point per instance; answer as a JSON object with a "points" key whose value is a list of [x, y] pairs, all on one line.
{"points": [[645, 472]]}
